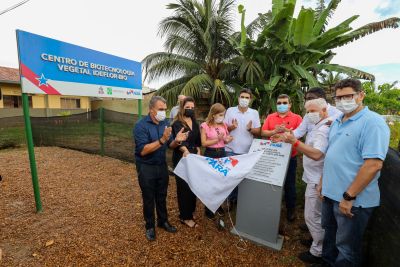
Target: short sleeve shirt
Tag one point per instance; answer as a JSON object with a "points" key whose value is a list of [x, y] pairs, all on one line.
{"points": [[291, 121], [318, 139], [146, 132], [363, 136], [213, 131], [242, 138]]}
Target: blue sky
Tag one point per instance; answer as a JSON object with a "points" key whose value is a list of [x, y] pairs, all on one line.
{"points": [[128, 29]]}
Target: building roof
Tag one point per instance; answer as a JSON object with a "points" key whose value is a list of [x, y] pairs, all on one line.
{"points": [[9, 75]]}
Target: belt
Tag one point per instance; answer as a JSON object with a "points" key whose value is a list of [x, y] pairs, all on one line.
{"points": [[217, 149]]}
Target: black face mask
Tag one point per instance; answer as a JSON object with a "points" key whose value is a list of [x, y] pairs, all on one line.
{"points": [[189, 113]]}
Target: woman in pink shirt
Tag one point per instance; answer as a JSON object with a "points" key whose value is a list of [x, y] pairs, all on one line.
{"points": [[214, 136]]}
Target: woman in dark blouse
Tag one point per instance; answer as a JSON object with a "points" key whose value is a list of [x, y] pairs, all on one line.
{"points": [[186, 119]]}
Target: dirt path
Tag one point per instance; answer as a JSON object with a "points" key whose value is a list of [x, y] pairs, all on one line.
{"points": [[93, 217]]}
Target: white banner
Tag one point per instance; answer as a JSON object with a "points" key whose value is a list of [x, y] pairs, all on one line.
{"points": [[212, 180]]}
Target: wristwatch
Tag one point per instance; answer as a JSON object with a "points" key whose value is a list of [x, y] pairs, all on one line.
{"points": [[347, 197]]}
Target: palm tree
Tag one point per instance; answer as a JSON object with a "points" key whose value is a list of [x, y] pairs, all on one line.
{"points": [[198, 51], [291, 52], [328, 80]]}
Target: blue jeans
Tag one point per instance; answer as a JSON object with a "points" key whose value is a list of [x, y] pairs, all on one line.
{"points": [[342, 244], [290, 184], [234, 194]]}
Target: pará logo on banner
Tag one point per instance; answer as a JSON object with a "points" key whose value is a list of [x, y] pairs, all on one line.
{"points": [[222, 165]]}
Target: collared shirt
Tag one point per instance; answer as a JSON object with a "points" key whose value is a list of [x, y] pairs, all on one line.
{"points": [[242, 138], [174, 112], [318, 139], [363, 136], [291, 121], [306, 125], [146, 132]]}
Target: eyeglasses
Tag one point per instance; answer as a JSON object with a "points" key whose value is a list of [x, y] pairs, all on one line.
{"points": [[282, 103], [345, 97]]}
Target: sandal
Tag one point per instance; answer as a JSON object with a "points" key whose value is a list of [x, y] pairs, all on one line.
{"points": [[185, 222]]}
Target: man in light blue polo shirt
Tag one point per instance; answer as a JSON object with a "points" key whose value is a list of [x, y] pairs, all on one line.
{"points": [[358, 143]]}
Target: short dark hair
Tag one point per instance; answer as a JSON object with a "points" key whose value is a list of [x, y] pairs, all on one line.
{"points": [[353, 83], [318, 91], [284, 96], [246, 90]]}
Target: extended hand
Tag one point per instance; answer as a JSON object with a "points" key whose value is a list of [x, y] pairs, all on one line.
{"points": [[228, 139], [280, 128], [289, 137], [276, 138], [345, 208], [235, 123], [220, 136], [249, 125], [166, 134], [181, 136]]}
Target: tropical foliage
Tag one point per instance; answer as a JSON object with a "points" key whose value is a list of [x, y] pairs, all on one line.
{"points": [[290, 52], [384, 100], [276, 53], [198, 51]]}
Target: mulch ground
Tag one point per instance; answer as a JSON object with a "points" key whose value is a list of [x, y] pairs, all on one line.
{"points": [[93, 217]]}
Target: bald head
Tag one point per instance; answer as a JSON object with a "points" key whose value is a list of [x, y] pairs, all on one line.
{"points": [[181, 98]]}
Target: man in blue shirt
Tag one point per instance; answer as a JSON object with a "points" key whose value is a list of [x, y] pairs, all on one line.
{"points": [[152, 137], [358, 143]]}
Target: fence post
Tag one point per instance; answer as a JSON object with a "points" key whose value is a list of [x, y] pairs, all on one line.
{"points": [[101, 131], [31, 152]]}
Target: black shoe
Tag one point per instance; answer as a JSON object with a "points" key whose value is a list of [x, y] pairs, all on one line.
{"points": [[209, 214], [306, 242], [151, 234], [303, 227], [291, 215], [167, 227], [322, 264], [220, 211], [307, 257]]}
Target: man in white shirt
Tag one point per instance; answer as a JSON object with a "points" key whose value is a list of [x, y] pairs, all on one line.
{"points": [[314, 150], [243, 124], [175, 109], [306, 126]]}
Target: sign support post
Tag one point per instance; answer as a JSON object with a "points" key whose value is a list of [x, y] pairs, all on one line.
{"points": [[260, 195], [102, 131], [140, 108], [29, 140]]}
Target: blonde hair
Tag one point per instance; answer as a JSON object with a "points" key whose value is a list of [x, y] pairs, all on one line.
{"points": [[214, 110]]}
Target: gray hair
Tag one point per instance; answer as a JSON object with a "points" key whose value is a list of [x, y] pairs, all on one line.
{"points": [[319, 102], [154, 100]]}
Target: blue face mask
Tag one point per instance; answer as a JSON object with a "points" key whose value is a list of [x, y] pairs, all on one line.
{"points": [[282, 108]]}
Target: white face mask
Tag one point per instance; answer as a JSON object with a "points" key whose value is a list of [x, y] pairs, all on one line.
{"points": [[161, 115], [347, 106], [313, 117], [219, 119], [243, 102]]}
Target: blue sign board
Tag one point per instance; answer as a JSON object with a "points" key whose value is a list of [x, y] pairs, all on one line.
{"points": [[49, 66]]}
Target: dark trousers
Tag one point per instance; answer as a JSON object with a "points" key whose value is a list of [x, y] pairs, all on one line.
{"points": [[342, 246], [186, 199], [290, 184], [212, 153], [153, 181]]}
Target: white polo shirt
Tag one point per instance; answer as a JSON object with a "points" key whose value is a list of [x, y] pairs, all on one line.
{"points": [[242, 138], [318, 139], [306, 126]]}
